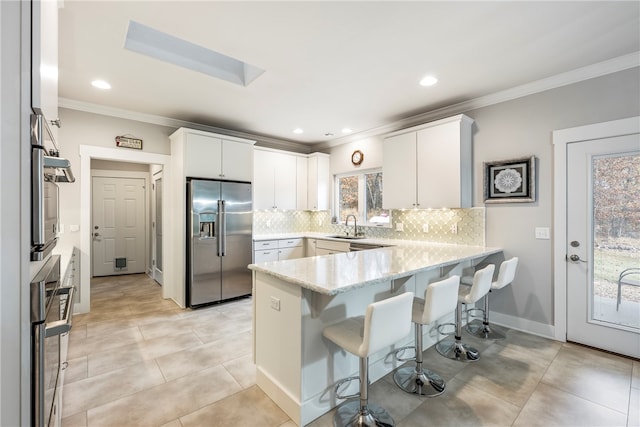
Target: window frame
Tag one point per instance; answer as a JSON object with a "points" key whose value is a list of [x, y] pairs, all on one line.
{"points": [[362, 202]]}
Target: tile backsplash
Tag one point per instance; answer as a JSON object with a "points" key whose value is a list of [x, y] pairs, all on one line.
{"points": [[459, 226]]}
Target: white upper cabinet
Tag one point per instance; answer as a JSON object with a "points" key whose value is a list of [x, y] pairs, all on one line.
{"points": [[207, 155], [319, 182], [275, 180], [429, 166], [44, 60], [301, 183]]}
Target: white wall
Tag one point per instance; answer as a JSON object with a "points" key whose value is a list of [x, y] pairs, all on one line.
{"points": [[520, 128], [80, 128], [14, 219]]}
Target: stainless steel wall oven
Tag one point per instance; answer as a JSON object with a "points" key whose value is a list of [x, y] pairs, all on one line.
{"points": [[51, 316], [47, 169]]}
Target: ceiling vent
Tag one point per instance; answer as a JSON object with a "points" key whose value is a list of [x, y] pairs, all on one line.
{"points": [[167, 48]]}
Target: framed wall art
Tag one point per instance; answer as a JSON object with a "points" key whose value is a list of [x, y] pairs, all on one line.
{"points": [[510, 181]]}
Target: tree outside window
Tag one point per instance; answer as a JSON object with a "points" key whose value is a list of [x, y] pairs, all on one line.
{"points": [[361, 195]]}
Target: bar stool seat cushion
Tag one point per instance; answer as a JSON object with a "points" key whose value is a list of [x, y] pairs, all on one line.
{"points": [[385, 322], [481, 286]]}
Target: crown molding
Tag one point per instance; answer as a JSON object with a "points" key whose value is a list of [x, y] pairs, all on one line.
{"points": [[610, 66], [103, 110], [599, 69]]}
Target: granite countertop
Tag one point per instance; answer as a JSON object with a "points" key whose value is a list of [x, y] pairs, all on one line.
{"points": [[342, 272]]}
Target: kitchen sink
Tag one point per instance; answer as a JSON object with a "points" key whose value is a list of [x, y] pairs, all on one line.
{"points": [[343, 236]]}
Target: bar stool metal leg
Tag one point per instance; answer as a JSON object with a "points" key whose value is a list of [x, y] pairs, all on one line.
{"points": [[416, 379], [455, 349], [361, 413], [484, 330]]}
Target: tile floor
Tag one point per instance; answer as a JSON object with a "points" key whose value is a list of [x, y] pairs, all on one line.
{"points": [[139, 360]]}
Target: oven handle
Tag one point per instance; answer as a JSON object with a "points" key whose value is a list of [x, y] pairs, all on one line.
{"points": [[64, 325]]}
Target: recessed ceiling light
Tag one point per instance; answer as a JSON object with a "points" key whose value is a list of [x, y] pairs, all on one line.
{"points": [[347, 130], [328, 134], [428, 81], [298, 131], [101, 84]]}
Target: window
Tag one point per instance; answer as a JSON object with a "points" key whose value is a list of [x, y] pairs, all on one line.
{"points": [[361, 195]]}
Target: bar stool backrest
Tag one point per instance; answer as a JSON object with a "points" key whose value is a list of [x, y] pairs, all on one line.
{"points": [[506, 274], [386, 322], [481, 284], [440, 298]]}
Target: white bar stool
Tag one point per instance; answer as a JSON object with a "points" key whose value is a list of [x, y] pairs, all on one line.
{"points": [[483, 330], [440, 298], [454, 348], [385, 323]]}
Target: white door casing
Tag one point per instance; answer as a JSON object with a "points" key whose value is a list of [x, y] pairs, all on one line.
{"points": [[119, 225], [156, 217], [562, 140], [592, 319]]}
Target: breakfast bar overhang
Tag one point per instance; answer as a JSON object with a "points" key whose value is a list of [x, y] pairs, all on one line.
{"points": [[294, 300]]}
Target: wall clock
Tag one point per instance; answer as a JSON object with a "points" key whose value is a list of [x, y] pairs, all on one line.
{"points": [[357, 157]]}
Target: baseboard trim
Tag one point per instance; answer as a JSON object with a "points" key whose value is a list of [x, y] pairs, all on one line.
{"points": [[524, 325]]}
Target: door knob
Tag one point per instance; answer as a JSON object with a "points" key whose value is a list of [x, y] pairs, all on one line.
{"points": [[96, 234], [576, 258]]}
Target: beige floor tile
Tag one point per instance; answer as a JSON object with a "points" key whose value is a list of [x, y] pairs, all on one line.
{"points": [[288, 424], [77, 420], [242, 370], [76, 370], [109, 327], [78, 348], [184, 362], [502, 373], [462, 405], [540, 348], [166, 402], [549, 406], [118, 358], [396, 401], [173, 326], [600, 377], [91, 392], [174, 423], [250, 407], [222, 329]]}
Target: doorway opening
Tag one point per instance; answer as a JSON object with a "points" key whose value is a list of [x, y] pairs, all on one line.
{"points": [[110, 157]]}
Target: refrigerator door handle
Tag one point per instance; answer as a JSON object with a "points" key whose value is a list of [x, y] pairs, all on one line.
{"points": [[222, 220]]}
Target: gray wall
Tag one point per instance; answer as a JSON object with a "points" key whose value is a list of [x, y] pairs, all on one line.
{"points": [[524, 127]]}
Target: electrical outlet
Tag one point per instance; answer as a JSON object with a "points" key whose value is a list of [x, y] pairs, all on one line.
{"points": [[275, 303], [454, 228], [399, 226], [425, 228]]}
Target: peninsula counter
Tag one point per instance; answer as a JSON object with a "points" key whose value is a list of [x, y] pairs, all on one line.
{"points": [[295, 300]]}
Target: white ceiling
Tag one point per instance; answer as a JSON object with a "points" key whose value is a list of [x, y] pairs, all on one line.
{"points": [[331, 65]]}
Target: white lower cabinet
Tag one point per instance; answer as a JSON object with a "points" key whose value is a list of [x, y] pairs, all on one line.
{"points": [[330, 247], [278, 250]]}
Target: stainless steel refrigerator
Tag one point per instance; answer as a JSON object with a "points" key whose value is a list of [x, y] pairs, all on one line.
{"points": [[219, 246]]}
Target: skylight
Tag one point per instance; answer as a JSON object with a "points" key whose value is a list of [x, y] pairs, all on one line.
{"points": [[167, 48]]}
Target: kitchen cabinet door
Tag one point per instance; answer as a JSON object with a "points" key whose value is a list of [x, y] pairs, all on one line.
{"points": [[301, 183], [291, 253], [274, 180], [319, 182], [237, 161], [285, 181], [444, 167], [202, 156], [399, 171]]}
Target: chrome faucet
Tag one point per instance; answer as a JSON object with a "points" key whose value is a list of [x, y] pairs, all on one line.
{"points": [[355, 224]]}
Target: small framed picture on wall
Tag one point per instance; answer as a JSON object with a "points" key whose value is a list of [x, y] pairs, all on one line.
{"points": [[510, 181]]}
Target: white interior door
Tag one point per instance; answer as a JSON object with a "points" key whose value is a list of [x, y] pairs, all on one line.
{"points": [[603, 240], [157, 227], [118, 225]]}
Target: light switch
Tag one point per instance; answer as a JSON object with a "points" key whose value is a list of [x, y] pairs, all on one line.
{"points": [[543, 233]]}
